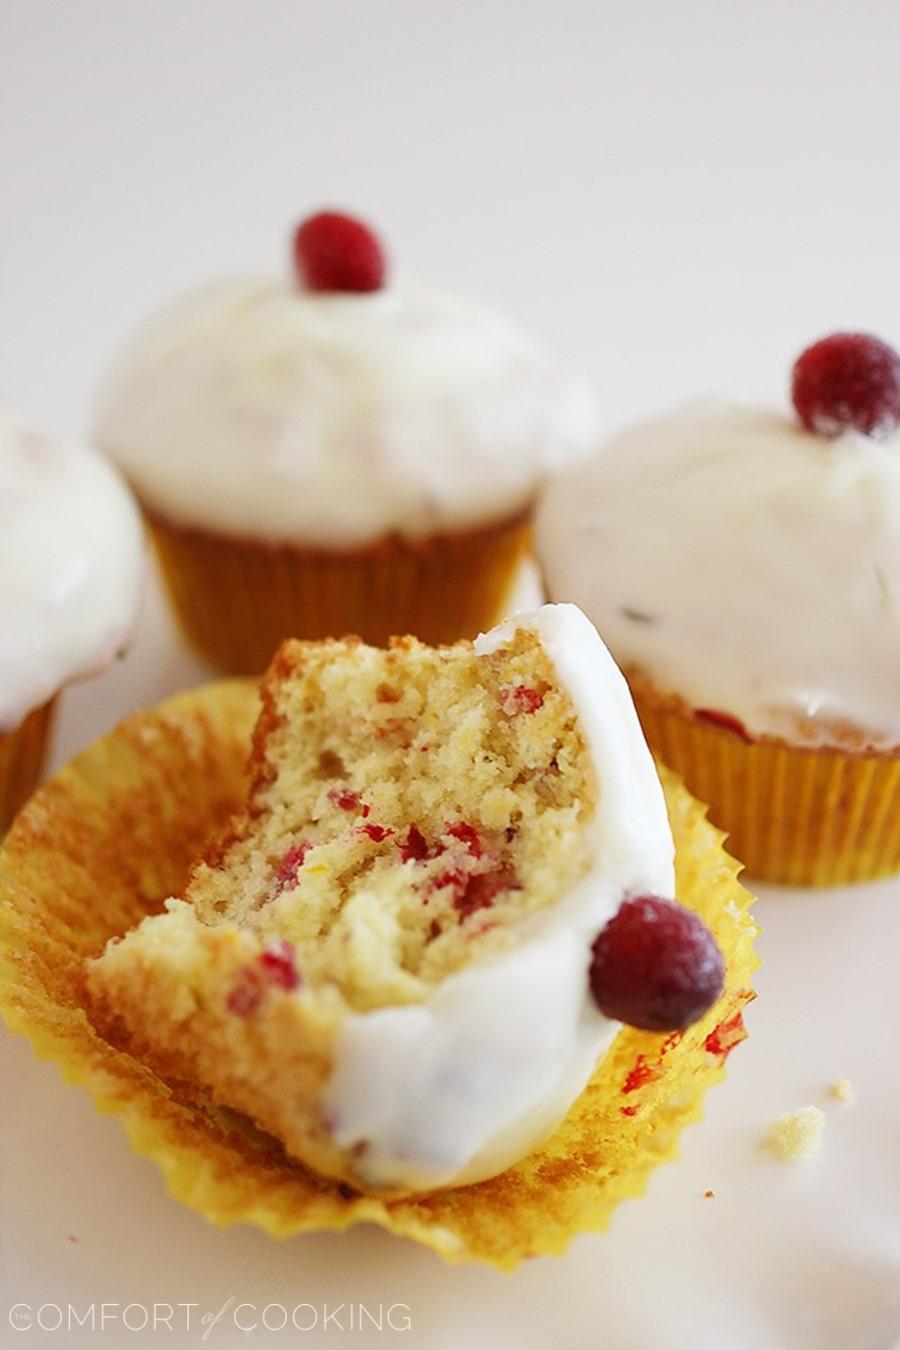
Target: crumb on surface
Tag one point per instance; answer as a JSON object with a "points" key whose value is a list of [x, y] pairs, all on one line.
{"points": [[797, 1134], [709, 1195], [842, 1090]]}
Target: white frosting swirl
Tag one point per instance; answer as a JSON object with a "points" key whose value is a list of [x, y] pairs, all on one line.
{"points": [[460, 1087], [743, 564], [262, 410], [71, 562]]}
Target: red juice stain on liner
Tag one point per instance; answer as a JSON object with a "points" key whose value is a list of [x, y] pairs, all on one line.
{"points": [[724, 1037], [724, 721]]}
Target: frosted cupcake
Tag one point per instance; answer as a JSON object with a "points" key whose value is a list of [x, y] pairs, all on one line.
{"points": [[70, 569], [462, 959], [426, 876], [745, 570], [335, 452]]}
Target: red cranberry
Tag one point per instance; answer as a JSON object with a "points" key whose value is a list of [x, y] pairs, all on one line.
{"points": [[377, 833], [478, 890], [345, 799], [274, 968], [454, 879], [334, 252], [467, 834], [848, 380], [520, 698], [655, 966], [279, 964], [247, 992], [293, 860], [416, 846]]}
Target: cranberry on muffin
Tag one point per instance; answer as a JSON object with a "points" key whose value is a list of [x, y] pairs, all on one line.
{"points": [[744, 568], [336, 451]]}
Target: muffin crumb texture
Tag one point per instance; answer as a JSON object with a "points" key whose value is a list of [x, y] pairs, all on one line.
{"points": [[409, 804], [842, 1091], [797, 1134], [410, 808], [167, 779]]}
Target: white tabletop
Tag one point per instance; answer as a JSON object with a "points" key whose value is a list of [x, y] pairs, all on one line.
{"points": [[784, 1256]]}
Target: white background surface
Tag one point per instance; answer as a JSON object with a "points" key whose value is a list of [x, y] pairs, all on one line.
{"points": [[679, 197]]}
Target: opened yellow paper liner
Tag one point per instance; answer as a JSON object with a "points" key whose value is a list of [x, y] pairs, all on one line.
{"points": [[797, 816], [236, 599], [22, 754], [114, 833]]}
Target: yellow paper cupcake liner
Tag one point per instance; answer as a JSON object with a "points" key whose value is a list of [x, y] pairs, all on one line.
{"points": [[112, 834], [236, 599], [796, 816], [22, 754]]}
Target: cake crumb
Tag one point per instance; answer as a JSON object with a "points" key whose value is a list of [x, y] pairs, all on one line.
{"points": [[709, 1195], [797, 1134], [842, 1090]]}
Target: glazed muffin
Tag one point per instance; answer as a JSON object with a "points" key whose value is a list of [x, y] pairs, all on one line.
{"points": [[71, 559], [336, 451], [745, 570], [450, 883]]}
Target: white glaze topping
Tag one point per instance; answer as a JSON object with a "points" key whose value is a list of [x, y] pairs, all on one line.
{"points": [[262, 410], [743, 564], [462, 1086], [71, 562]]}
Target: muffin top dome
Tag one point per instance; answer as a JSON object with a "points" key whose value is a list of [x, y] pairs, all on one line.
{"points": [[268, 409], [71, 562], [743, 564]]}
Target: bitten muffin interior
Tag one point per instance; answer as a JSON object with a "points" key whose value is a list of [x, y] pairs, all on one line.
{"points": [[409, 806]]}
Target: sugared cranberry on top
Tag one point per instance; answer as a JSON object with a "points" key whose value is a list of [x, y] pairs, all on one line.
{"points": [[655, 966], [334, 252], [848, 380]]}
